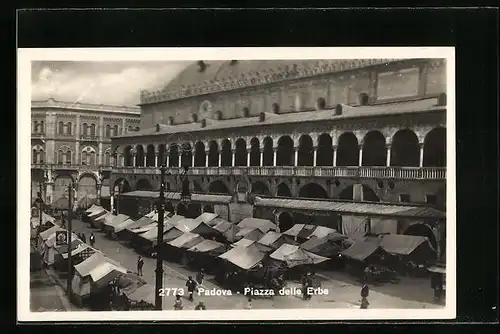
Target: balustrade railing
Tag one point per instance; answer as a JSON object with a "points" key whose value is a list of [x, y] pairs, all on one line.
{"points": [[376, 172]]}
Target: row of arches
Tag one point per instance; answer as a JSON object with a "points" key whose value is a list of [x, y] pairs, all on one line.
{"points": [[65, 128], [405, 150]]}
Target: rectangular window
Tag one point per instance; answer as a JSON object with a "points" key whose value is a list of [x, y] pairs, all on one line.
{"points": [[404, 198], [431, 199]]}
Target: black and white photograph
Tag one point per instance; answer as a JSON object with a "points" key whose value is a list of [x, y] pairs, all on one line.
{"points": [[247, 183]]}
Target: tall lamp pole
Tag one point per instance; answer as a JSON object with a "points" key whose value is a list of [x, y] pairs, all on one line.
{"points": [[160, 204], [40, 201], [70, 262]]}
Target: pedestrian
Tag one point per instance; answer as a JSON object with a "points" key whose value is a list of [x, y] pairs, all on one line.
{"points": [[178, 303], [200, 276], [140, 264], [200, 306], [364, 303], [367, 274], [84, 238], [92, 239], [365, 291], [249, 304], [191, 286]]}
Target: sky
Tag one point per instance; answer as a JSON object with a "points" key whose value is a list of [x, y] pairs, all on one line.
{"points": [[116, 83]]}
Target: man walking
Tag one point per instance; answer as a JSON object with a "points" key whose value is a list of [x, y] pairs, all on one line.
{"points": [[84, 238], [140, 264], [191, 286], [92, 239]]}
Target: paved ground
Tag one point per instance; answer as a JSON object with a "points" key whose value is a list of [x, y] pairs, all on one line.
{"points": [[343, 291], [46, 295]]}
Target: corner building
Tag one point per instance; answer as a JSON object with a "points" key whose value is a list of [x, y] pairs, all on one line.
{"points": [[282, 139], [71, 142]]}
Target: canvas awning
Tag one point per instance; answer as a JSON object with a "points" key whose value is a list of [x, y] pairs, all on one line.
{"points": [[208, 246], [400, 244], [151, 214], [322, 231], [223, 226], [360, 250], [323, 246], [103, 217], [49, 232], [186, 240], [195, 226], [262, 224], [306, 231], [352, 208], [243, 243], [104, 269], [35, 221], [244, 257], [51, 241], [294, 256], [116, 220], [96, 260], [93, 208], [206, 217], [252, 233], [123, 225], [98, 213], [437, 269], [144, 221], [275, 239], [81, 247]]}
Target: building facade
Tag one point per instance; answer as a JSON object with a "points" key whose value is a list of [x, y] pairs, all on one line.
{"points": [[366, 130], [71, 142]]}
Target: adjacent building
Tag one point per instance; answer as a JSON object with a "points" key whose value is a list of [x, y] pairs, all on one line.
{"points": [[71, 142], [328, 142]]}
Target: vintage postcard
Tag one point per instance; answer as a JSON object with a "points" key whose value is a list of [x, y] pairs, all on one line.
{"points": [[236, 184]]}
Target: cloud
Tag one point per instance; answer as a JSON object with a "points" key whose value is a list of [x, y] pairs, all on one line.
{"points": [[116, 83]]}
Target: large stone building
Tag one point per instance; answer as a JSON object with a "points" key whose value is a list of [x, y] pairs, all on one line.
{"points": [[71, 142], [289, 140]]}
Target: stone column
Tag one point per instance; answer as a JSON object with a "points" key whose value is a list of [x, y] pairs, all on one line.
{"points": [[220, 159], [145, 159], [233, 157], [421, 164], [388, 157], [360, 163], [98, 186], [179, 160], [334, 155], [249, 151], [124, 124], [99, 152], [50, 187], [261, 157], [157, 155], [192, 159], [134, 156], [315, 156], [167, 158], [296, 156], [275, 155], [206, 158]]}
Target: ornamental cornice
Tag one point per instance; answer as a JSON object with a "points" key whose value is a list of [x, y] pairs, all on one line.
{"points": [[253, 79]]}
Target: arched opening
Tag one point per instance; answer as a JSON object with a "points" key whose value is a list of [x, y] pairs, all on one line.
{"points": [[435, 148], [208, 208], [35, 127], [374, 152], [348, 150], [122, 186], [60, 157], [127, 156], [42, 127], [85, 129], [199, 154], [240, 155], [187, 155], [313, 190], [108, 131], [60, 128], [87, 187], [150, 156], [139, 156], [422, 230], [405, 150], [283, 190], [268, 155], [285, 152], [61, 184], [213, 154], [306, 155], [194, 210], [260, 188], [68, 157], [85, 158], [285, 221], [218, 187], [161, 154], [34, 157], [227, 155], [182, 210], [143, 184], [173, 156], [115, 130], [321, 104], [68, 130], [92, 130], [254, 152], [368, 194], [197, 187], [325, 151]]}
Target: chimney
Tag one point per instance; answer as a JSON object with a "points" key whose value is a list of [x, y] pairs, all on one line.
{"points": [[442, 100], [202, 66], [262, 117]]}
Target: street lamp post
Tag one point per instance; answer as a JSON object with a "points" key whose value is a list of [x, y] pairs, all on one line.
{"points": [[160, 204], [70, 262], [40, 201]]}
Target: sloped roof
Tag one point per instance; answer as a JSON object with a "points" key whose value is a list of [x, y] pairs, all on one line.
{"points": [[207, 246], [252, 233], [206, 217], [359, 208], [262, 224], [294, 256], [244, 257], [402, 244], [360, 250], [186, 240]]}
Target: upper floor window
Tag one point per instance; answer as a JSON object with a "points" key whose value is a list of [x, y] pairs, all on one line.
{"points": [[106, 159], [115, 130], [108, 131], [60, 129], [69, 129], [42, 128], [35, 127], [92, 129], [85, 129]]}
